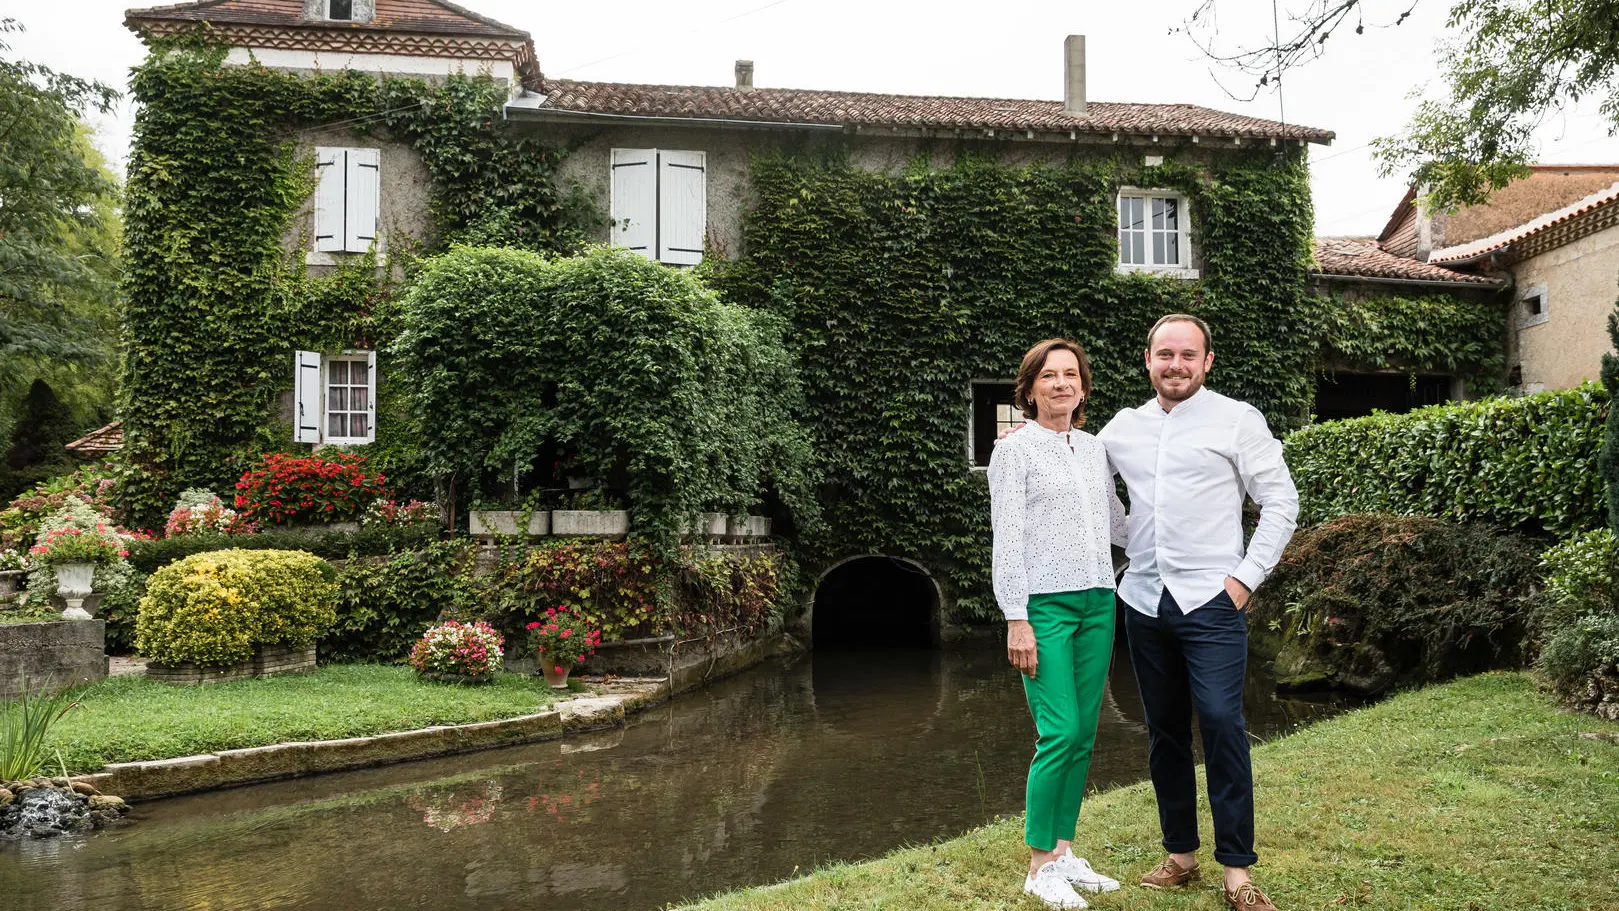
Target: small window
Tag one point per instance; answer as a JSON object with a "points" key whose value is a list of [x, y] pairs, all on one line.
{"points": [[340, 9], [993, 413], [335, 397], [1154, 232], [1532, 310]]}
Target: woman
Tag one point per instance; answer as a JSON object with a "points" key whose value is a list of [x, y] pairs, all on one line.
{"points": [[1055, 511]]}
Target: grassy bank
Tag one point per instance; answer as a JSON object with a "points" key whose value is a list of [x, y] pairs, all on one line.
{"points": [[124, 719], [1478, 794]]}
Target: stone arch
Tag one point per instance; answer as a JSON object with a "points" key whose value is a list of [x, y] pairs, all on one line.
{"points": [[876, 600]]}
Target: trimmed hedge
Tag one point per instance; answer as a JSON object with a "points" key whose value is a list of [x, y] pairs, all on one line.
{"points": [[1526, 463], [372, 540], [213, 609], [1579, 622]]}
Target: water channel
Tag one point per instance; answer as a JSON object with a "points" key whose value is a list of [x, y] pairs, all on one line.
{"points": [[828, 756]]}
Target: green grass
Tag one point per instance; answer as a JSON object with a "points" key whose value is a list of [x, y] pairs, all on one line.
{"points": [[125, 719], [1473, 795]]}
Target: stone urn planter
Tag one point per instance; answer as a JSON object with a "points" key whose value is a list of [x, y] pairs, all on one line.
{"points": [[487, 523], [749, 527], [611, 523], [714, 525], [11, 581], [74, 582]]}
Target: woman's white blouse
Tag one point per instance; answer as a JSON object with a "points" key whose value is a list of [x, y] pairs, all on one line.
{"points": [[1055, 512]]}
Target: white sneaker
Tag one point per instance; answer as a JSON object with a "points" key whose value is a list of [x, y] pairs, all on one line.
{"points": [[1050, 886], [1077, 870]]}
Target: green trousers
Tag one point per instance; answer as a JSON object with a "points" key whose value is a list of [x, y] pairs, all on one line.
{"points": [[1073, 637]]}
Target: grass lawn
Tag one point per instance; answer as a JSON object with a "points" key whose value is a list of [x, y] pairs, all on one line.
{"points": [[124, 719], [1473, 795]]}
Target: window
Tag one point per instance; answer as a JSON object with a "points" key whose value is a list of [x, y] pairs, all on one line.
{"points": [[993, 413], [335, 397], [347, 199], [340, 9], [660, 202], [1154, 232], [1532, 305]]}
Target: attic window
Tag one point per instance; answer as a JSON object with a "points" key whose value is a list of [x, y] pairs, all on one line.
{"points": [[340, 9]]}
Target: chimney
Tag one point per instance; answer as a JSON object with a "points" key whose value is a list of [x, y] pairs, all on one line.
{"points": [[744, 75], [1073, 95]]}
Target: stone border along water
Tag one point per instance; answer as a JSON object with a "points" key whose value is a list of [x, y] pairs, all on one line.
{"points": [[257, 765]]}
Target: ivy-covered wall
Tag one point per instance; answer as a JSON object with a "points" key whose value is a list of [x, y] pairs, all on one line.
{"points": [[901, 289], [216, 302]]}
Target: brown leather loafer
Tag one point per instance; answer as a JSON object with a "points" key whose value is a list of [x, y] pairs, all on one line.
{"points": [[1169, 874], [1247, 897]]}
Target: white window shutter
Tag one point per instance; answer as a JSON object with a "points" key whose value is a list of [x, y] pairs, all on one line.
{"points": [[329, 199], [363, 199], [371, 396], [635, 200], [306, 397], [682, 207]]}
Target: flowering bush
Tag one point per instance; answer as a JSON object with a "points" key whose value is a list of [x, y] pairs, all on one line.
{"points": [[396, 514], [284, 488], [210, 518], [75, 513], [464, 649], [78, 545], [562, 638], [10, 559], [95, 486]]}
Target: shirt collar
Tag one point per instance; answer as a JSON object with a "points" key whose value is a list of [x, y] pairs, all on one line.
{"points": [[1155, 407]]}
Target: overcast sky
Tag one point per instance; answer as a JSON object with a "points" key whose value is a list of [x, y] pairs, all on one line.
{"points": [[1007, 49]]}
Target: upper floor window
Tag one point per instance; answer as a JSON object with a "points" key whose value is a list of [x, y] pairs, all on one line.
{"points": [[340, 9], [660, 200], [347, 199], [1154, 232]]}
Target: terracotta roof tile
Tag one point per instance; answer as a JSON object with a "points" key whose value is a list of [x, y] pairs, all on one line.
{"points": [[432, 17], [801, 106], [1364, 257], [100, 441], [1601, 199]]}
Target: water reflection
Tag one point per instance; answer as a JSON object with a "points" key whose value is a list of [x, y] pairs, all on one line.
{"points": [[827, 757]]}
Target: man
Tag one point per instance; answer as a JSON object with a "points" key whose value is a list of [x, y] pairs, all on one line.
{"points": [[1188, 456]]}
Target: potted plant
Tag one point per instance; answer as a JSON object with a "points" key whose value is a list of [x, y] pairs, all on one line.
{"points": [[594, 511], [455, 652], [562, 639], [11, 572], [73, 553], [749, 527]]}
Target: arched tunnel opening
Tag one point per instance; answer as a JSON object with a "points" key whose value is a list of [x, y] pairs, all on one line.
{"points": [[878, 602]]}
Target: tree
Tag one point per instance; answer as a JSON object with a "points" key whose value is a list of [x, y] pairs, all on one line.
{"points": [[57, 230], [1506, 66], [37, 452]]}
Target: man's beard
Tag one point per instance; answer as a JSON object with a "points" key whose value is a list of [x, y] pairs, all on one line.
{"points": [[1191, 388]]}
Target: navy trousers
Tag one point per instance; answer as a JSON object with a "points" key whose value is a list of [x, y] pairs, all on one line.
{"points": [[1197, 660]]}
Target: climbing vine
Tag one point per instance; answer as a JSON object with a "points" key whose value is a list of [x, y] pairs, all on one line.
{"points": [[901, 289], [215, 303], [1429, 332]]}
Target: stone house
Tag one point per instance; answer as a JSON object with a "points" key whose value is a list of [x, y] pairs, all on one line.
{"points": [[1552, 239]]}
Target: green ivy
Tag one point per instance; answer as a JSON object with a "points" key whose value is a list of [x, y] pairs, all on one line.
{"points": [[1439, 332], [1528, 463], [900, 289], [214, 301]]}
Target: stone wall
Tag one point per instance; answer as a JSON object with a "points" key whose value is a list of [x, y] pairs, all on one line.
{"points": [[1563, 345], [54, 654]]}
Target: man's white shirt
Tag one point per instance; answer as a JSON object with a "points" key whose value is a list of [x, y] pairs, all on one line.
{"points": [[1187, 471]]}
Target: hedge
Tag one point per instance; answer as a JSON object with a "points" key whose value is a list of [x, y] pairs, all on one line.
{"points": [[1526, 463], [213, 609]]}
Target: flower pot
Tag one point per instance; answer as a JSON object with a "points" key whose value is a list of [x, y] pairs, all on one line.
{"points": [[749, 527], [74, 578], [599, 522], [556, 680], [486, 523], [714, 524]]}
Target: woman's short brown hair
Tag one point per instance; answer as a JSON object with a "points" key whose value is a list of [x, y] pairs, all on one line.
{"points": [[1034, 360]]}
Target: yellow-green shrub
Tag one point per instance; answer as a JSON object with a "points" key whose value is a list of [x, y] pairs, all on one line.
{"points": [[214, 608]]}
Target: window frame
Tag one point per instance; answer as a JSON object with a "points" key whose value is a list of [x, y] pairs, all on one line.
{"points": [[657, 249], [1184, 241], [1526, 293], [973, 416], [317, 432]]}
